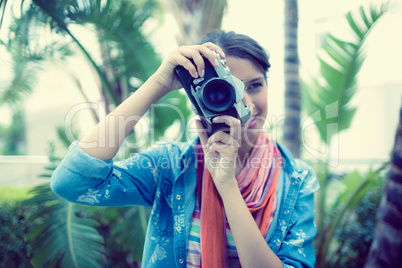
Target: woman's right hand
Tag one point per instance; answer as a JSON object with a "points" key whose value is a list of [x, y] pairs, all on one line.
{"points": [[183, 55]]}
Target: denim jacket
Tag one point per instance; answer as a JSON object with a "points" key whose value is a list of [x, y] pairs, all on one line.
{"points": [[164, 178]]}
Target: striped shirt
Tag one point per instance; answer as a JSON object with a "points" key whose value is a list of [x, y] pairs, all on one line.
{"points": [[194, 246]]}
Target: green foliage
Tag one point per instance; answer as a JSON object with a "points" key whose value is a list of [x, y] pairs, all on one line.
{"points": [[327, 99], [28, 57], [108, 217], [130, 231], [13, 135], [345, 200], [3, 5], [13, 248], [169, 108], [327, 96], [353, 239], [58, 233], [22, 223], [58, 236], [124, 230], [12, 195], [118, 24], [122, 52]]}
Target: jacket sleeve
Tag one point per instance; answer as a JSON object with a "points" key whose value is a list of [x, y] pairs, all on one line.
{"points": [[83, 179], [297, 247]]}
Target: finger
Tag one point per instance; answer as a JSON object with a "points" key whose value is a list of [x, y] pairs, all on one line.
{"points": [[187, 64], [222, 149], [202, 133], [208, 51], [215, 48], [194, 54], [212, 149], [222, 139], [233, 123]]}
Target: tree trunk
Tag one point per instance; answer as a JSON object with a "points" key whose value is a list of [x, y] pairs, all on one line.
{"points": [[386, 248], [196, 18], [291, 130]]}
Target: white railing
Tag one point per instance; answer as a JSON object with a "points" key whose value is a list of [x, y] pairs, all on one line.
{"points": [[22, 170]]}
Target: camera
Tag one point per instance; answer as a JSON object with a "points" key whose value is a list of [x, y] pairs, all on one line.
{"points": [[217, 93]]}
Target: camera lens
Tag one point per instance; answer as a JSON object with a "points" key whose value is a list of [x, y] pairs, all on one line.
{"points": [[218, 95]]}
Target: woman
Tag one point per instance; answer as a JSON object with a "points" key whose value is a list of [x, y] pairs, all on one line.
{"points": [[233, 198]]}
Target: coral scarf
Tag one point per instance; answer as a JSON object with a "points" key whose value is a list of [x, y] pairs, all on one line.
{"points": [[257, 183]]}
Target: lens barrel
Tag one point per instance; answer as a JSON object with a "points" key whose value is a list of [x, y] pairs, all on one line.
{"points": [[218, 95]]}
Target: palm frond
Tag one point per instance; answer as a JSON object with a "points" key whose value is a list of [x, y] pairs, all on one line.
{"points": [[119, 26], [26, 68], [56, 11], [57, 236], [330, 93], [27, 57], [24, 79], [127, 53], [130, 232], [3, 5]]}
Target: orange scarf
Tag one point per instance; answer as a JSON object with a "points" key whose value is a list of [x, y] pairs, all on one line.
{"points": [[257, 182]]}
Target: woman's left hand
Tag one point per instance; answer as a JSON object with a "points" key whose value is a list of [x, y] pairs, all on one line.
{"points": [[220, 151]]}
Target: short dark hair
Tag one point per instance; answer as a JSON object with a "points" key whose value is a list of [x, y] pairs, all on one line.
{"points": [[240, 46]]}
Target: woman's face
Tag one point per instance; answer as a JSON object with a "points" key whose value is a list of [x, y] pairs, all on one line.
{"points": [[255, 95]]}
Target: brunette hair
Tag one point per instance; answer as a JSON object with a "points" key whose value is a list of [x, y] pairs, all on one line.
{"points": [[240, 46]]}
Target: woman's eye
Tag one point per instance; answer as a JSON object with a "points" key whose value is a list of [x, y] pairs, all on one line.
{"points": [[255, 87]]}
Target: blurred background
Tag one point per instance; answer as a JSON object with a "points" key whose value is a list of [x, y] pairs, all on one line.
{"points": [[334, 100]]}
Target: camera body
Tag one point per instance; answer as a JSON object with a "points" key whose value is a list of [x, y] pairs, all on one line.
{"points": [[217, 93]]}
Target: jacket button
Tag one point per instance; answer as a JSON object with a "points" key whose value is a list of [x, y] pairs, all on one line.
{"points": [[178, 197], [181, 261], [178, 228]]}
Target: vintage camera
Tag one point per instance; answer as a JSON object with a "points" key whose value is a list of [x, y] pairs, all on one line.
{"points": [[217, 93]]}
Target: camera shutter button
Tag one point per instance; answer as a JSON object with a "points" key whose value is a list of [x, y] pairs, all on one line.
{"points": [[198, 80]]}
